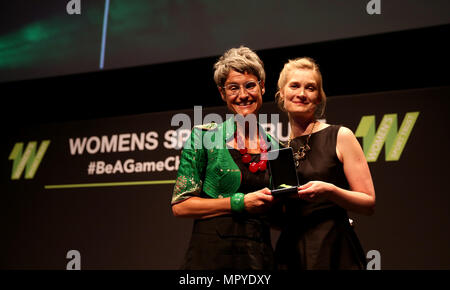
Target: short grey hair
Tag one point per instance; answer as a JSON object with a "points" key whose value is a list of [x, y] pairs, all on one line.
{"points": [[242, 60]]}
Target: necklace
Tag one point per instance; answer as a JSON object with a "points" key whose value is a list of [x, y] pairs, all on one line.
{"points": [[246, 157], [301, 152]]}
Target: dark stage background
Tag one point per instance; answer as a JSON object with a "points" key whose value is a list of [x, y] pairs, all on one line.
{"points": [[120, 218], [54, 90]]}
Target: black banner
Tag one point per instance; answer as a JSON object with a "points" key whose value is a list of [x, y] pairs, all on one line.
{"points": [[96, 194]]}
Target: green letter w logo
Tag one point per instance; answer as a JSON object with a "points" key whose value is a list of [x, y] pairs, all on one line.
{"points": [[386, 134], [29, 158]]}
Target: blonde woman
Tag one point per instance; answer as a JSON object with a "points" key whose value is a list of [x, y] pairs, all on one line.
{"points": [[335, 176]]}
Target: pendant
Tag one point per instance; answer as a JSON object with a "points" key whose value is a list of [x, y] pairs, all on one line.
{"points": [[253, 167], [247, 158], [301, 154]]}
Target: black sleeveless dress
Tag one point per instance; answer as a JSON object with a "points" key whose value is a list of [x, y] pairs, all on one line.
{"points": [[318, 235], [238, 241]]}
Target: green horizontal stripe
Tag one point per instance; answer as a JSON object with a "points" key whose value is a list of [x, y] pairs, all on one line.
{"points": [[104, 184]]}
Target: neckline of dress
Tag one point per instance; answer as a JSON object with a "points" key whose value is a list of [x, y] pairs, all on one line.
{"points": [[323, 129], [237, 150]]}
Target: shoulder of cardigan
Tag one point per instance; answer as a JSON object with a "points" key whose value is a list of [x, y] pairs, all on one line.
{"points": [[230, 127], [207, 127]]}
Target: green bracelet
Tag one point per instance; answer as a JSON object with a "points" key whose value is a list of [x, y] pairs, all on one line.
{"points": [[237, 202]]}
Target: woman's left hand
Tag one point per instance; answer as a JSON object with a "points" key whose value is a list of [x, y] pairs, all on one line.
{"points": [[315, 191]]}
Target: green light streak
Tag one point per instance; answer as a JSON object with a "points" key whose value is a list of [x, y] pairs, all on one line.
{"points": [[52, 42], [109, 184]]}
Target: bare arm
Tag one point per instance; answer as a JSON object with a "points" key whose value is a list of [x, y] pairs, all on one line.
{"points": [[197, 207], [361, 196]]}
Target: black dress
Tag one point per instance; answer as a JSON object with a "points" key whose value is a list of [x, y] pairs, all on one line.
{"points": [[318, 235], [238, 241]]}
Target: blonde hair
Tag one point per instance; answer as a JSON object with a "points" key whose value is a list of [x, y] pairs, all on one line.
{"points": [[302, 63], [242, 60]]}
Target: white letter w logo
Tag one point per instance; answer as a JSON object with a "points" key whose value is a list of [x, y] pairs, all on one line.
{"points": [[29, 158]]}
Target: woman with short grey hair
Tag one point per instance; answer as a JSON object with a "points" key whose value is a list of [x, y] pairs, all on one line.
{"points": [[225, 189]]}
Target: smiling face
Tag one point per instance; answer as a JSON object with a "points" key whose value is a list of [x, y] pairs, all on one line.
{"points": [[243, 93], [300, 93]]}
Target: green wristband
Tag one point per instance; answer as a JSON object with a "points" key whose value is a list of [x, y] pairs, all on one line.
{"points": [[237, 202]]}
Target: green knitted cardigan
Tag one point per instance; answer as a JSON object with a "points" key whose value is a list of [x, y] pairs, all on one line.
{"points": [[206, 164]]}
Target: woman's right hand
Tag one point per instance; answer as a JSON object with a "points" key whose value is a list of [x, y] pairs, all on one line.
{"points": [[258, 201]]}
